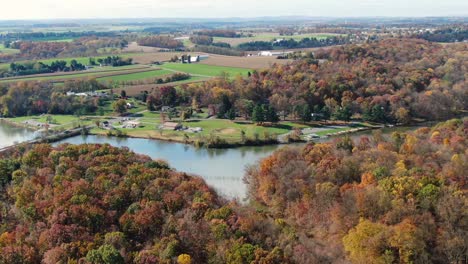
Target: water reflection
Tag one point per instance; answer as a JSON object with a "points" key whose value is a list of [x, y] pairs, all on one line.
{"points": [[10, 135], [223, 169]]}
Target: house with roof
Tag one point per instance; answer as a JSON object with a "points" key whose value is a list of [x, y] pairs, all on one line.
{"points": [[171, 126]]}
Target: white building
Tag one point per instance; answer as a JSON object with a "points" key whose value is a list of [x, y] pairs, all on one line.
{"points": [[273, 53]]}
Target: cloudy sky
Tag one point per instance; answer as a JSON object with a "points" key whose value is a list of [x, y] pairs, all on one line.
{"points": [[40, 9]]}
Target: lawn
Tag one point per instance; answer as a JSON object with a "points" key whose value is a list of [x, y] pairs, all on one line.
{"points": [[205, 70], [228, 130]]}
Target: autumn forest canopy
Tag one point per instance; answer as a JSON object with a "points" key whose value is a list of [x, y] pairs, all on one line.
{"points": [[400, 199]]}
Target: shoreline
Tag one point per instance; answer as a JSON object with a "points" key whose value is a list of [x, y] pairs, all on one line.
{"points": [[216, 145], [248, 143]]}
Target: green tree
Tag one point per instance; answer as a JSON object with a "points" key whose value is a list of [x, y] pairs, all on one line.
{"points": [[258, 114], [342, 113], [271, 115], [105, 254], [120, 106], [305, 113]]}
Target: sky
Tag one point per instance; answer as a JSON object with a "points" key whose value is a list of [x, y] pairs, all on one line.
{"points": [[54, 9]]}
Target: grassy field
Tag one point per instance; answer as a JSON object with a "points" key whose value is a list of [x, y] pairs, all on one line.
{"points": [[254, 62], [205, 70], [105, 72], [136, 76], [270, 37], [133, 90], [82, 60], [4, 50], [224, 129]]}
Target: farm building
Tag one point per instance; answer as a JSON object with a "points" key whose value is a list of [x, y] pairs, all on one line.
{"points": [[133, 124], [273, 53], [193, 59], [171, 126]]}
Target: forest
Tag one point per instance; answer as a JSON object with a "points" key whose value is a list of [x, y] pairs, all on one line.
{"points": [[84, 46], [201, 39], [389, 81], [451, 34], [223, 33], [31, 98], [293, 44], [44, 36], [374, 200], [400, 199], [160, 42]]}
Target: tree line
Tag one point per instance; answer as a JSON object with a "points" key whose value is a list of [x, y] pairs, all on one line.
{"points": [[293, 44], [166, 42]]}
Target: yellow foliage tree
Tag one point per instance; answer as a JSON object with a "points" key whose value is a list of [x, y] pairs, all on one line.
{"points": [[184, 259], [367, 243]]}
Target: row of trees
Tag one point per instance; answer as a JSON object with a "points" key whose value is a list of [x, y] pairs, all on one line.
{"points": [[293, 44], [114, 61], [223, 33], [201, 40], [45, 36], [166, 42], [85, 46], [28, 68]]}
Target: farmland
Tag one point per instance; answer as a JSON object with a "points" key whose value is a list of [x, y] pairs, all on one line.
{"points": [[254, 62], [133, 90], [135, 76], [99, 73], [205, 70], [82, 60]]}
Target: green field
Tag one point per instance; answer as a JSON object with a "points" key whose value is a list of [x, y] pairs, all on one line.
{"points": [[4, 50], [136, 76], [82, 60], [205, 70], [119, 73]]}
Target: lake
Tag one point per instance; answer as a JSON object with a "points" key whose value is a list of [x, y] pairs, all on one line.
{"points": [[222, 169], [10, 135]]}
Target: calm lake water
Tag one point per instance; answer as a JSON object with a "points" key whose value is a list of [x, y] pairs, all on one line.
{"points": [[222, 169], [10, 135]]}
